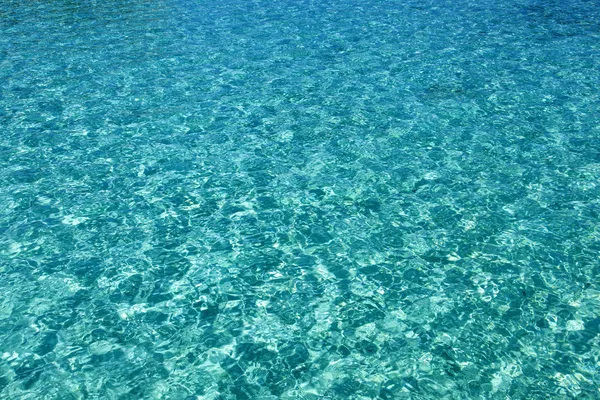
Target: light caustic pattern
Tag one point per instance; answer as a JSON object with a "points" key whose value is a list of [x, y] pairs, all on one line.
{"points": [[299, 199]]}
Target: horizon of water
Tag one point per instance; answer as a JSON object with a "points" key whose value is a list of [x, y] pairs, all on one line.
{"points": [[299, 199]]}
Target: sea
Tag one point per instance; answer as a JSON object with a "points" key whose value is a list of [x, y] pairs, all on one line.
{"points": [[299, 199]]}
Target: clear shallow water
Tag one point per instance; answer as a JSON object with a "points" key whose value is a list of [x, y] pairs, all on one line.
{"points": [[299, 200]]}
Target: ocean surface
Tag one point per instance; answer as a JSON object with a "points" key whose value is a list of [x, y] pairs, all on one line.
{"points": [[296, 199]]}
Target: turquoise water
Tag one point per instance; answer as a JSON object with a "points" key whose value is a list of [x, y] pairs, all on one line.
{"points": [[300, 199]]}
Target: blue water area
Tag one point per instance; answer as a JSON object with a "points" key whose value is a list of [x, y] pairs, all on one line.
{"points": [[299, 199]]}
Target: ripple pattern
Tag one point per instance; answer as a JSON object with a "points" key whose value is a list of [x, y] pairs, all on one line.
{"points": [[299, 199]]}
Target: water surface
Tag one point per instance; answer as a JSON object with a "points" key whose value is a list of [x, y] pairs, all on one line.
{"points": [[299, 199]]}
